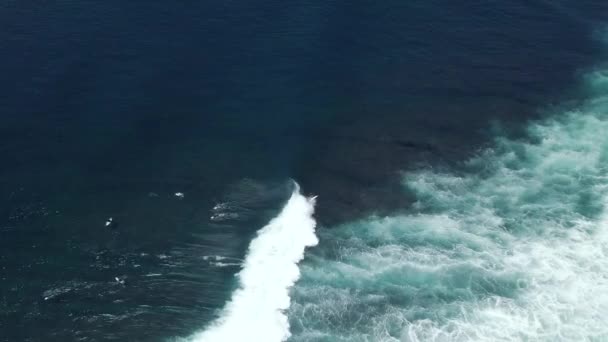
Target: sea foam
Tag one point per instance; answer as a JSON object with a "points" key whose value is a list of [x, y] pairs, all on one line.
{"points": [[256, 310], [512, 250]]}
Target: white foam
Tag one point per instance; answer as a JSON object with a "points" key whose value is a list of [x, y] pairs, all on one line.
{"points": [[256, 310], [224, 264], [514, 251]]}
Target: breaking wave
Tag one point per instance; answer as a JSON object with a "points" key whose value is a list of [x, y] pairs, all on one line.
{"points": [[256, 309]]}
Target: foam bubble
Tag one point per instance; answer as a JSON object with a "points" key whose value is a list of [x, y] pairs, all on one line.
{"points": [[256, 309]]}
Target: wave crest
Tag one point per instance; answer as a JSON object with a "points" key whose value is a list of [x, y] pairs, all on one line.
{"points": [[256, 309]]}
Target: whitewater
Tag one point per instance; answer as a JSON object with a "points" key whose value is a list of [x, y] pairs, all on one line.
{"points": [[512, 248], [256, 311]]}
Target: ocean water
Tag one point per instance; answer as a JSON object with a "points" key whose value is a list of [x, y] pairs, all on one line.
{"points": [[314, 171]]}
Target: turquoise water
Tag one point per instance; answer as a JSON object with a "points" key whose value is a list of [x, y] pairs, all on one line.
{"points": [[512, 247]]}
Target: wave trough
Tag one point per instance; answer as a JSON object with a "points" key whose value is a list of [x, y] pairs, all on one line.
{"points": [[256, 309]]}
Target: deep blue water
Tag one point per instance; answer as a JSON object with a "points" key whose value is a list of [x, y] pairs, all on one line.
{"points": [[107, 109]]}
